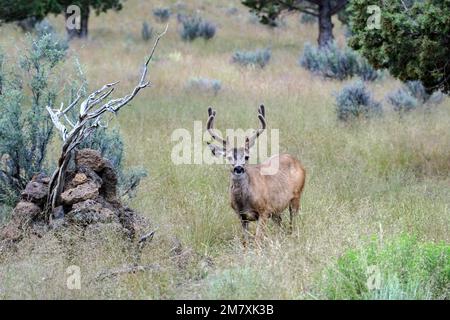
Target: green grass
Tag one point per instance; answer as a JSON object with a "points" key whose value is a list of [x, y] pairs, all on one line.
{"points": [[382, 177], [405, 267]]}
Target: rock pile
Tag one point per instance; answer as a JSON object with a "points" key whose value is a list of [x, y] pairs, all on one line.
{"points": [[89, 198]]}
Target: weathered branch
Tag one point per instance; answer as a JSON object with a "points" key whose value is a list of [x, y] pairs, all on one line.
{"points": [[126, 270], [90, 113]]}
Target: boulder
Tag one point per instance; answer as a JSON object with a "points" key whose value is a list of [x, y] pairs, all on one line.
{"points": [[36, 192], [87, 205], [23, 215], [89, 158], [26, 210], [41, 178], [90, 175], [80, 193], [79, 178], [11, 232], [89, 212], [109, 186], [58, 212]]}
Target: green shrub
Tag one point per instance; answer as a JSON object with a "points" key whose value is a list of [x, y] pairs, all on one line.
{"points": [[411, 40], [237, 283], [402, 100], [162, 14], [193, 27], [204, 85], [335, 63], [412, 95], [257, 58], [307, 18], [407, 269], [146, 31], [355, 101], [25, 127]]}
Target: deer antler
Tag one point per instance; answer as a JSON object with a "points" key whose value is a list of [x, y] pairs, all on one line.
{"points": [[262, 119], [210, 128]]}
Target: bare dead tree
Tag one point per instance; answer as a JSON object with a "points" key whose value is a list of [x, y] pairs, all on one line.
{"points": [[89, 119]]}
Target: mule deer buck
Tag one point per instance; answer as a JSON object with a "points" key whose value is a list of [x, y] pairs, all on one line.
{"points": [[255, 195]]}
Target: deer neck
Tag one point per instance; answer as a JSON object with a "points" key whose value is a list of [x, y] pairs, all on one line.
{"points": [[240, 190]]}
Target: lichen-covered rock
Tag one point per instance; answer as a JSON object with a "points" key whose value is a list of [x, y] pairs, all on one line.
{"points": [[89, 200], [35, 191], [80, 193], [109, 186], [26, 210], [11, 232], [89, 212], [58, 212], [89, 158], [79, 178], [24, 213], [41, 178]]}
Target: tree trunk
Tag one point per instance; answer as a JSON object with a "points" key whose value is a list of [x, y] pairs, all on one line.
{"points": [[82, 32], [325, 24], [84, 22], [27, 24]]}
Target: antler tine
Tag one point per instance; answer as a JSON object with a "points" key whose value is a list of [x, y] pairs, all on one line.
{"points": [[262, 120], [210, 128], [262, 110]]}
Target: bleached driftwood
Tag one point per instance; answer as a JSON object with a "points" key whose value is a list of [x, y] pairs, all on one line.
{"points": [[89, 119]]}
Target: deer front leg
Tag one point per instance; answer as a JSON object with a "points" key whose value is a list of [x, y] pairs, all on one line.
{"points": [[261, 228], [245, 231]]}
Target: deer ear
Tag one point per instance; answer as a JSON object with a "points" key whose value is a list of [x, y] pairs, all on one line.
{"points": [[247, 145], [216, 150]]}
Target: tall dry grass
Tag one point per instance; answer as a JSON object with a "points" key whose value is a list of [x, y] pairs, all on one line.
{"points": [[383, 177]]}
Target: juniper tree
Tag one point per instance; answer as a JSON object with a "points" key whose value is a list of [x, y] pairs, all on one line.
{"points": [[269, 10], [412, 39], [36, 10]]}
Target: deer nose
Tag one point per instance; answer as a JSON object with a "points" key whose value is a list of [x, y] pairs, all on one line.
{"points": [[239, 170]]}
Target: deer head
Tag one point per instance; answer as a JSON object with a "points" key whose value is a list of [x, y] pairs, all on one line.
{"points": [[237, 157]]}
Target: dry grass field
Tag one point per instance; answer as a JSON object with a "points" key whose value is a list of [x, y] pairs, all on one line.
{"points": [[373, 179]]}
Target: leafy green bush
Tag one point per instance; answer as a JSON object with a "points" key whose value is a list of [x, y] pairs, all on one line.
{"points": [[402, 100], [162, 14], [365, 70], [193, 27], [259, 58], [44, 27], [25, 127], [405, 268], [411, 40], [307, 18], [335, 63], [355, 101], [237, 283], [412, 95], [417, 90]]}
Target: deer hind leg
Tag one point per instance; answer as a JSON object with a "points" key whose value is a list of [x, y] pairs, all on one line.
{"points": [[294, 207]]}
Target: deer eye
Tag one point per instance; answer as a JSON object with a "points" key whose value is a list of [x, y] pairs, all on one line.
{"points": [[246, 158]]}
